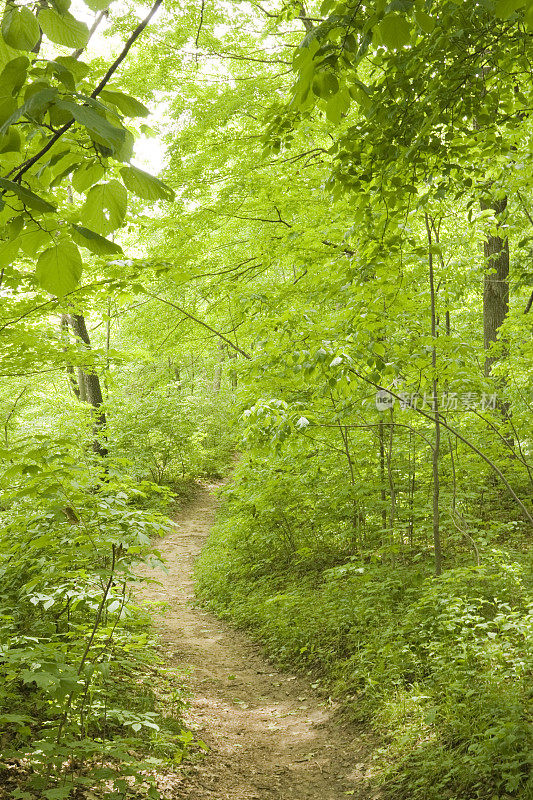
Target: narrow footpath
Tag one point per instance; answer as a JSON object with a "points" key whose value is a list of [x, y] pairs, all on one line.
{"points": [[270, 736]]}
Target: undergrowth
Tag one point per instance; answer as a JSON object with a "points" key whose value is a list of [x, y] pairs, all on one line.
{"points": [[86, 707]]}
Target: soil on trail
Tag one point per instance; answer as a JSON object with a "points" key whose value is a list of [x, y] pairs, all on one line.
{"points": [[270, 736]]}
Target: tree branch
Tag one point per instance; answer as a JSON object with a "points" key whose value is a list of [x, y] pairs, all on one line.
{"points": [[25, 166], [199, 321]]}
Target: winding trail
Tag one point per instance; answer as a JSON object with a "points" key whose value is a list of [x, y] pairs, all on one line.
{"points": [[270, 736]]}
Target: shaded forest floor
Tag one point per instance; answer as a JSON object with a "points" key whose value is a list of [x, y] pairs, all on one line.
{"points": [[270, 735]]}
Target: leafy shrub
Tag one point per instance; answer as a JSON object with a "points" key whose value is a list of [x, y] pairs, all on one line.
{"points": [[73, 644]]}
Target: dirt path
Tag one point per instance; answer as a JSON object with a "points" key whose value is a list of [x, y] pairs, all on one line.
{"points": [[270, 736]]}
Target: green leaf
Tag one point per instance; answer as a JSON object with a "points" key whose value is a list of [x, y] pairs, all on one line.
{"points": [[8, 106], [125, 151], [97, 244], [78, 68], [10, 141], [98, 126], [63, 28], [42, 679], [105, 207], [144, 185], [337, 105], [98, 5], [13, 75], [86, 176], [28, 198], [504, 8], [20, 29], [59, 793], [15, 226], [129, 106], [7, 53], [325, 84], [64, 75], [35, 104], [32, 239], [424, 21], [395, 31], [59, 268], [8, 252]]}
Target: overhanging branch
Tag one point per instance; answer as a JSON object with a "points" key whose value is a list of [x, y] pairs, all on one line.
{"points": [[26, 165], [199, 322]]}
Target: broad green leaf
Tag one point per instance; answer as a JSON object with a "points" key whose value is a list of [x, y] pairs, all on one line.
{"points": [[35, 104], [20, 29], [10, 141], [105, 207], [7, 53], [325, 84], [94, 242], [504, 8], [86, 176], [8, 107], [13, 75], [98, 126], [59, 268], [28, 197], [124, 153], [15, 226], [337, 105], [395, 31], [32, 239], [64, 75], [144, 185], [98, 5], [65, 167], [63, 28], [8, 252], [58, 793], [424, 21], [78, 68], [129, 106]]}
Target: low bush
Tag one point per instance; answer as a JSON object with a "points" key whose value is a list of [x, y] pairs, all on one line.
{"points": [[77, 655]]}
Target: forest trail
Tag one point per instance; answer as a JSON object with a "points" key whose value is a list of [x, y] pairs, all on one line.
{"points": [[270, 736]]}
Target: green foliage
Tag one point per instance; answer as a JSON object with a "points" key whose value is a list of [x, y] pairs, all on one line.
{"points": [[51, 126], [73, 642], [63, 28], [59, 268], [171, 437]]}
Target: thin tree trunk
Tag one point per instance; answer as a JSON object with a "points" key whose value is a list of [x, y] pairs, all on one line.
{"points": [[93, 390], [382, 475], [82, 386], [436, 449], [217, 377], [496, 283], [71, 375], [232, 373]]}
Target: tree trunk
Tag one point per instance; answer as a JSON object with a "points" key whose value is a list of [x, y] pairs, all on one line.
{"points": [[437, 546], [90, 388], [496, 283], [217, 377], [232, 373], [71, 375]]}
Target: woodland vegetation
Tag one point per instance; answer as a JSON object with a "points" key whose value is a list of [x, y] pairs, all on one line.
{"points": [[331, 278]]}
